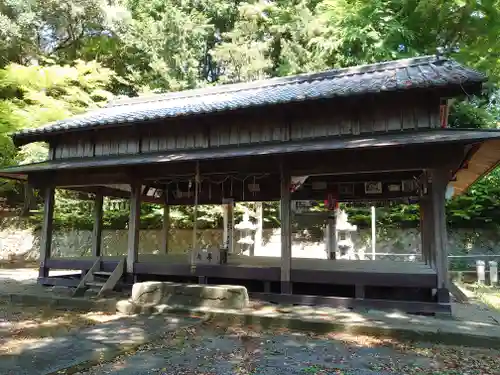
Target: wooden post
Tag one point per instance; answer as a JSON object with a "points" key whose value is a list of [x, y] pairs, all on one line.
{"points": [[166, 228], [228, 212], [195, 244], [46, 238], [422, 229], [374, 233], [286, 232], [97, 230], [133, 226], [331, 236], [426, 224], [440, 237]]}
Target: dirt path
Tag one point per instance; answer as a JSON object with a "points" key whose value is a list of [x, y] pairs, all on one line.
{"points": [[38, 339], [215, 350]]}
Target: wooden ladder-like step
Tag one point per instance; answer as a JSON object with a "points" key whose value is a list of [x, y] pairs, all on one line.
{"points": [[107, 280]]}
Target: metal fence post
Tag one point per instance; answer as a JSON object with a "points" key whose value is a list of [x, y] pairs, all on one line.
{"points": [[493, 272], [481, 274]]}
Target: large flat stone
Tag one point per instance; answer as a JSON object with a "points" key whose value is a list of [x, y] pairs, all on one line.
{"points": [[154, 293], [147, 293]]}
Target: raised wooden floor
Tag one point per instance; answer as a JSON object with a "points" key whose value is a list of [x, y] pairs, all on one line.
{"points": [[383, 284], [304, 270]]}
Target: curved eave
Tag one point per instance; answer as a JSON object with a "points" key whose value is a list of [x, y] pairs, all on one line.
{"points": [[369, 141], [483, 161]]}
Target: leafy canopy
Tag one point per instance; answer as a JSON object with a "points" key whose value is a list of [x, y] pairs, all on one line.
{"points": [[59, 58]]}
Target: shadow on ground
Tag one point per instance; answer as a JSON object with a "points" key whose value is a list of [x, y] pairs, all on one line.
{"points": [[103, 341], [218, 349]]}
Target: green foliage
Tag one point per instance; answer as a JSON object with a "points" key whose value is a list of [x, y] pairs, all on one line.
{"points": [[34, 95], [59, 58]]}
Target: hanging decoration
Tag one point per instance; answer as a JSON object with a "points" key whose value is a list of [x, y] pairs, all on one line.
{"points": [[394, 187], [373, 187], [297, 182], [331, 202], [254, 187], [184, 186]]}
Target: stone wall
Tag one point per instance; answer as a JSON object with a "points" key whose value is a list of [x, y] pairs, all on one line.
{"points": [[23, 244]]}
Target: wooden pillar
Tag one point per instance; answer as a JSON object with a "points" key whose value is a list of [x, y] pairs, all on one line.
{"points": [[133, 227], [97, 230], [331, 236], [166, 228], [228, 218], [286, 232], [258, 232], [426, 228], [46, 235], [439, 233]]}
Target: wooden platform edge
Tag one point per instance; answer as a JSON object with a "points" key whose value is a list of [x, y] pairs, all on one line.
{"points": [[59, 281], [350, 303]]}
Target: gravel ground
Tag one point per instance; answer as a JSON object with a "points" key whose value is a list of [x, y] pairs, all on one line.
{"points": [[215, 350], [24, 280]]}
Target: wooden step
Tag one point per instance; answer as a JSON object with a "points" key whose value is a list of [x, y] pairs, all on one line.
{"points": [[102, 273], [106, 280], [99, 284]]}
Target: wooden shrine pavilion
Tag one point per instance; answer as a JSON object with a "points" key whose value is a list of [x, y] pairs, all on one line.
{"points": [[368, 133]]}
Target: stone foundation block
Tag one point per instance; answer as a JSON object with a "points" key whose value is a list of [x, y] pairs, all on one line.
{"points": [[152, 293], [149, 293]]}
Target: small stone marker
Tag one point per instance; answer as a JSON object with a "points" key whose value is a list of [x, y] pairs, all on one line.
{"points": [[481, 274], [493, 272]]}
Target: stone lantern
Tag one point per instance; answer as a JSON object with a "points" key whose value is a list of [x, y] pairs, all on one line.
{"points": [[344, 229], [246, 229]]}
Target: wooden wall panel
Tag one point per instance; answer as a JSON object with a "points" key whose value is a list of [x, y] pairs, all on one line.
{"points": [[85, 149], [179, 137], [303, 121], [246, 132]]}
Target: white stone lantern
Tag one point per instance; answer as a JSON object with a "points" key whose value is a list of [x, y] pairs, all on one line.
{"points": [[343, 232], [246, 229]]}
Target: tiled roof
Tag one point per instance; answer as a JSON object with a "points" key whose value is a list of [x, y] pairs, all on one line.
{"points": [[421, 72]]}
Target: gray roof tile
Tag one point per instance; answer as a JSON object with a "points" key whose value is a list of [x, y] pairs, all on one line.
{"points": [[422, 72]]}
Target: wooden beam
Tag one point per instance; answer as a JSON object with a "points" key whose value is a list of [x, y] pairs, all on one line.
{"points": [[97, 230], [133, 227], [353, 161], [165, 228], [376, 160], [46, 238], [286, 232]]}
